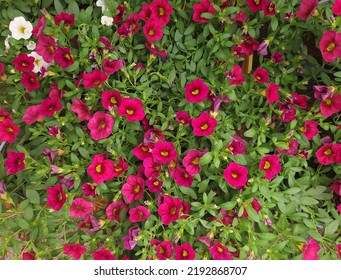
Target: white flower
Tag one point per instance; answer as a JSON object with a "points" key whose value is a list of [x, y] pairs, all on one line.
{"points": [[39, 62], [101, 3], [20, 28], [31, 45], [108, 21]]}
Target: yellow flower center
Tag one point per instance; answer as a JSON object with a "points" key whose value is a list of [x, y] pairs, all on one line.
{"points": [[164, 153], [328, 152], [196, 161], [22, 29], [267, 165], [195, 92], [137, 189], [60, 196], [144, 149], [156, 183], [151, 32], [2, 119], [184, 253], [113, 100], [162, 250], [234, 175], [328, 101], [67, 56], [130, 112], [331, 47], [10, 130], [220, 250], [173, 210], [118, 169], [204, 126], [99, 168], [161, 11], [257, 2]]}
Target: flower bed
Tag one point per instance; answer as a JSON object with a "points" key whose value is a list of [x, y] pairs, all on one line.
{"points": [[170, 130]]}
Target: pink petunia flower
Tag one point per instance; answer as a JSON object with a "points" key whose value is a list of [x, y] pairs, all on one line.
{"points": [[310, 250], [292, 149], [336, 187], [191, 161], [336, 9], [237, 146], [196, 91], [255, 5], [46, 47], [203, 125], [30, 81], [67, 19], [132, 109], [327, 153], [154, 185], [133, 189], [169, 209], [164, 152], [184, 252], [100, 125], [310, 129], [220, 252], [298, 100], [138, 214], [261, 75], [255, 205], [276, 57], [89, 189], [235, 76], [114, 209], [111, 99], [236, 175], [182, 177], [272, 94], [156, 52], [288, 115], [271, 165], [307, 8], [153, 30], [81, 109], [204, 6], [8, 130], [164, 250], [120, 167], [112, 66], [269, 8], [32, 114], [4, 115], [100, 168], [119, 17], [63, 57], [330, 45], [80, 208], [56, 197], [23, 62], [160, 10], [39, 28], [249, 45], [103, 254], [75, 250], [94, 79], [152, 168], [14, 162], [130, 240], [143, 151], [49, 106], [183, 117], [331, 105], [338, 247]]}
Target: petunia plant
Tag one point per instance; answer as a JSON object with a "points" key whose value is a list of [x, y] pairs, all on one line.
{"points": [[169, 129]]}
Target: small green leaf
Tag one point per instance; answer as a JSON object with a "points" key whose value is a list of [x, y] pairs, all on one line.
{"points": [[33, 196], [332, 228], [206, 159]]}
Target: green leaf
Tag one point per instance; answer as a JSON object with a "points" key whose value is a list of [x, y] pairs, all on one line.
{"points": [[84, 153], [188, 191], [206, 159], [33, 196], [308, 201], [250, 133], [228, 205], [58, 6], [332, 228], [253, 215], [189, 29]]}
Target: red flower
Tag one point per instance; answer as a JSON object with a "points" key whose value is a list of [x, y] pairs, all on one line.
{"points": [[111, 99], [32, 114], [272, 93], [152, 168], [89, 189], [203, 7], [154, 185], [63, 57], [235, 76], [56, 197], [100, 169], [8, 131], [261, 75], [310, 129], [23, 62], [138, 214], [131, 108], [336, 9], [236, 175], [183, 117], [153, 30], [196, 91], [112, 66], [94, 79], [269, 8], [4, 115], [220, 252], [38, 29], [191, 161], [164, 152], [299, 100], [120, 168], [15, 162], [327, 153], [184, 252], [49, 106], [81, 109], [307, 8], [331, 105], [46, 47], [68, 19], [155, 51], [131, 25], [203, 125], [169, 210], [80, 208], [133, 188], [276, 57], [113, 211], [271, 165], [161, 11], [237, 146], [336, 187], [249, 45], [288, 115], [75, 250], [164, 250], [256, 5], [330, 45], [143, 151], [292, 148], [310, 250], [100, 125], [103, 254], [30, 81], [182, 177]]}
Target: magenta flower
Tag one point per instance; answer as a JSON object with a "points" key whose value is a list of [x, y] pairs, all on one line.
{"points": [[23, 62], [310, 250], [81, 109], [46, 47], [143, 151], [80, 208], [220, 252], [49, 106], [75, 250], [272, 94], [255, 5], [8, 131], [154, 184], [103, 254], [120, 167], [235, 76], [164, 250], [336, 9], [130, 240], [191, 161], [196, 91], [38, 29], [182, 177], [32, 114], [153, 30], [112, 66], [204, 6], [132, 109], [331, 105], [89, 189], [336, 187], [249, 45], [152, 168], [237, 146], [133, 189], [138, 214], [310, 129], [30, 81], [94, 79], [67, 19], [15, 162], [63, 57], [169, 209], [327, 153], [338, 248], [100, 169], [292, 148], [276, 57], [330, 45], [271, 165], [111, 99], [113, 211], [100, 125], [299, 100], [307, 8], [161, 10], [203, 125], [164, 152], [236, 175], [184, 252], [56, 197], [183, 117], [261, 75]]}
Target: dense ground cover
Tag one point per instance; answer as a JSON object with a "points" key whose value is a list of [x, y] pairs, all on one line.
{"points": [[170, 129]]}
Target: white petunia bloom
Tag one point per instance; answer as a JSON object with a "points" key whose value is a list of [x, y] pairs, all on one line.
{"points": [[31, 46], [20, 28], [108, 21], [39, 62], [101, 3]]}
